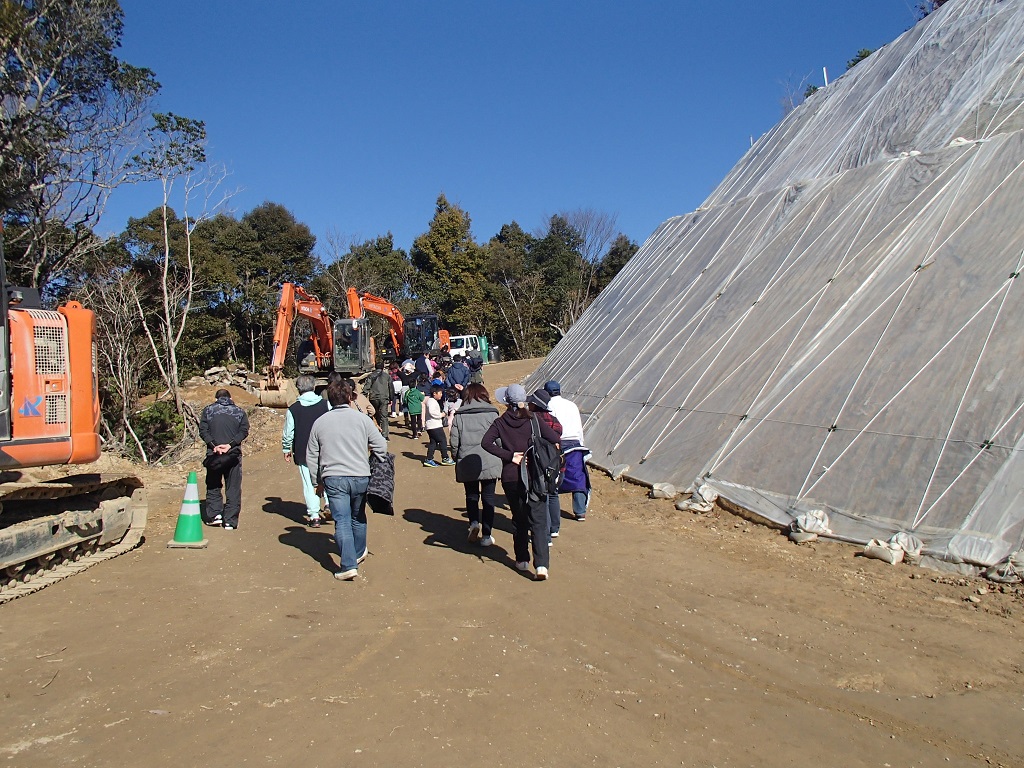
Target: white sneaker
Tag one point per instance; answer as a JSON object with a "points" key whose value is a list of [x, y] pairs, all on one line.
{"points": [[475, 531], [346, 575], [542, 574], [487, 541], [524, 566], [554, 534], [363, 556], [229, 527]]}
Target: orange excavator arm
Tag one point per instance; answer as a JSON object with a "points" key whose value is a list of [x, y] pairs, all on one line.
{"points": [[361, 302], [296, 302]]}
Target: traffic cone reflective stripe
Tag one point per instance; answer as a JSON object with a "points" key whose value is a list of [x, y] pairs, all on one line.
{"points": [[189, 530]]}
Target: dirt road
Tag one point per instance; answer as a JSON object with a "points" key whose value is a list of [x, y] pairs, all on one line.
{"points": [[662, 638]]}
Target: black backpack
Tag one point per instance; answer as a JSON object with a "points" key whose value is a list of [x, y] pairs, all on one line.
{"points": [[543, 462]]}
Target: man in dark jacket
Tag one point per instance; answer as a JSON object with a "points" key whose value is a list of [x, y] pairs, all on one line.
{"points": [[458, 375], [223, 426], [423, 365], [475, 363], [378, 391], [508, 438]]}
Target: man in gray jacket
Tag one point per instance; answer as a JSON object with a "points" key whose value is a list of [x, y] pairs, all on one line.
{"points": [[338, 457]]}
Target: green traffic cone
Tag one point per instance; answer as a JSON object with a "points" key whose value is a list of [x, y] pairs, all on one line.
{"points": [[189, 531]]}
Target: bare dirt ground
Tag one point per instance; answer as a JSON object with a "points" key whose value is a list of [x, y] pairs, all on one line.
{"points": [[662, 638]]}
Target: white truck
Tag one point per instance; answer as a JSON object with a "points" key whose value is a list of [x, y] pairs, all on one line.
{"points": [[464, 345]]}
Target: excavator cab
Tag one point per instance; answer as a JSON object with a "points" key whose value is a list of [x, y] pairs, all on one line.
{"points": [[422, 333], [353, 346]]}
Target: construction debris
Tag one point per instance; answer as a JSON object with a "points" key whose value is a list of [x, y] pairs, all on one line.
{"points": [[233, 375]]}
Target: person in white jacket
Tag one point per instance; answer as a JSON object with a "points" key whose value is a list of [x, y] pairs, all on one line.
{"points": [[576, 477], [433, 423]]}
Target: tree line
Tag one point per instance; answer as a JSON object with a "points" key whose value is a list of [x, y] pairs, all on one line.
{"points": [[188, 285]]}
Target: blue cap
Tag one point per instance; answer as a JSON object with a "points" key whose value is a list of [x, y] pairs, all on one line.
{"points": [[553, 388]]}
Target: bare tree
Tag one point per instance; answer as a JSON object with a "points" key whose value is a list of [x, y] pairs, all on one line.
{"points": [[339, 255], [176, 154], [122, 353], [517, 304], [596, 230], [794, 93]]}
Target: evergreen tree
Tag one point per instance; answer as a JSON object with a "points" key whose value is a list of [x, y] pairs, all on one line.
{"points": [[449, 269], [621, 250]]}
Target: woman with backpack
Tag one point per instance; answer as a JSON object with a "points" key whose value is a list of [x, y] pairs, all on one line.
{"points": [[509, 438], [475, 468], [539, 406]]}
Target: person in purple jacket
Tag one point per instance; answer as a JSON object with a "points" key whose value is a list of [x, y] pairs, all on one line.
{"points": [[508, 438]]}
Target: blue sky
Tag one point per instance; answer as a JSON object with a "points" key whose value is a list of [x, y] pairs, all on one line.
{"points": [[355, 116]]}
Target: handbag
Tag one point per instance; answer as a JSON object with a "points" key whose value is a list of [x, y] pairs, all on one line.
{"points": [[222, 462]]}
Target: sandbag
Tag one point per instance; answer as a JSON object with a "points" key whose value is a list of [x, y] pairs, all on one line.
{"points": [[663, 491], [1007, 572], [807, 526], [701, 500], [910, 544], [618, 471], [884, 551]]}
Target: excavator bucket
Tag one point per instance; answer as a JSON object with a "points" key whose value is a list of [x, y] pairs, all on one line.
{"points": [[281, 397]]}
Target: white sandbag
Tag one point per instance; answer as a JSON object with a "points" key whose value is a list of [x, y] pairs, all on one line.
{"points": [[663, 491], [702, 500], [813, 521], [801, 537], [910, 544], [618, 471], [884, 551]]}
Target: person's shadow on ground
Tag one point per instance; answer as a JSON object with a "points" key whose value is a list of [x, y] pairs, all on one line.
{"points": [[291, 510], [318, 543], [449, 532]]}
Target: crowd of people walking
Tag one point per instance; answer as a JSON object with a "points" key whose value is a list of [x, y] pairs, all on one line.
{"points": [[532, 443], [486, 438]]}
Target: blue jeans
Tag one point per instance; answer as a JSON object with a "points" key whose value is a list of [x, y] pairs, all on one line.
{"points": [[580, 502], [347, 499]]}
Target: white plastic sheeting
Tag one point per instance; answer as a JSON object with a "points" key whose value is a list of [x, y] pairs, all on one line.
{"points": [[839, 327]]}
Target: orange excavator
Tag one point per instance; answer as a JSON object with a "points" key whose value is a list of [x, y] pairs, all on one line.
{"points": [[49, 416], [361, 302], [344, 345], [410, 336]]}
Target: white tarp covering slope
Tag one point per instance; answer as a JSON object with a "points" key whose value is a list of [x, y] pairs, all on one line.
{"points": [[841, 325]]}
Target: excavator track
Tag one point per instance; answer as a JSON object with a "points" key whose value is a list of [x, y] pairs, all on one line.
{"points": [[52, 530]]}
